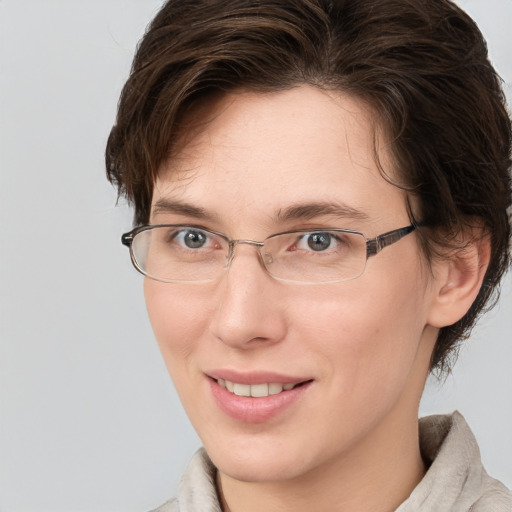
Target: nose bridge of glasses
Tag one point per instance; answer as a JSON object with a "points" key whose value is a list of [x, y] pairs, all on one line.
{"points": [[234, 243]]}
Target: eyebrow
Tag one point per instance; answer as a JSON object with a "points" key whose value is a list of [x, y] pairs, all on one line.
{"points": [[301, 211], [317, 209], [178, 207]]}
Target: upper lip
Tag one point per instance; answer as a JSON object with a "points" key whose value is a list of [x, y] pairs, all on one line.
{"points": [[254, 377]]}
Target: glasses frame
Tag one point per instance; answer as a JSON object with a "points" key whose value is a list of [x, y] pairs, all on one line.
{"points": [[373, 246]]}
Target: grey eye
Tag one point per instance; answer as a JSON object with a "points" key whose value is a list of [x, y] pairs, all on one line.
{"points": [[192, 238], [319, 241]]}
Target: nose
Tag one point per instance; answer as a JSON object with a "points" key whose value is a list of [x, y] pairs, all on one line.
{"points": [[250, 307]]}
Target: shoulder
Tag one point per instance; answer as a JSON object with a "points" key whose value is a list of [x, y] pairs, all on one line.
{"points": [[168, 506], [456, 480], [496, 498], [197, 490]]}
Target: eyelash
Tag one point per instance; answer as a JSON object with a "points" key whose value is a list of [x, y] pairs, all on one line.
{"points": [[178, 236]]}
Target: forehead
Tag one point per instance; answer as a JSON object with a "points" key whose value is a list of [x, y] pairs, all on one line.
{"points": [[250, 153]]}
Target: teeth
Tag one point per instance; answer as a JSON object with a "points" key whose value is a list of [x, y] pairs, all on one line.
{"points": [[274, 389], [242, 389], [254, 390], [258, 390]]}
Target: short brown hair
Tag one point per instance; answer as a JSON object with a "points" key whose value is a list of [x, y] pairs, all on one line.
{"points": [[422, 65]]}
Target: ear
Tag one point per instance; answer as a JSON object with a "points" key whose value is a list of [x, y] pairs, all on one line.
{"points": [[458, 278]]}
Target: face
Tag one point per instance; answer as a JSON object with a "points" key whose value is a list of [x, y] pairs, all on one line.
{"points": [[357, 351]]}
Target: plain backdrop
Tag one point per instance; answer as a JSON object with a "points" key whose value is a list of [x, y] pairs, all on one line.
{"points": [[88, 417]]}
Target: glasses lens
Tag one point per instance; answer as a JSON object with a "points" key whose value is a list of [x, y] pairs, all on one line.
{"points": [[315, 256], [179, 253]]}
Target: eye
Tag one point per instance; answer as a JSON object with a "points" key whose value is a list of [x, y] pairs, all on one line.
{"points": [[317, 241], [191, 238]]}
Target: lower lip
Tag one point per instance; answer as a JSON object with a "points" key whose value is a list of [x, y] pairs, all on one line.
{"points": [[255, 410]]}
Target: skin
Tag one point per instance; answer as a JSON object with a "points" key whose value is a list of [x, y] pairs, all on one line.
{"points": [[351, 441]]}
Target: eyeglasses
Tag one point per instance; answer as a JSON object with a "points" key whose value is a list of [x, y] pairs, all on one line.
{"points": [[180, 254]]}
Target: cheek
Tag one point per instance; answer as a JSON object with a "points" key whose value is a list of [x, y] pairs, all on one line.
{"points": [[360, 312], [366, 330], [178, 317]]}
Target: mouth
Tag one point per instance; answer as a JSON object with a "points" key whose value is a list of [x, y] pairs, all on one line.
{"points": [[260, 397], [257, 396], [258, 390]]}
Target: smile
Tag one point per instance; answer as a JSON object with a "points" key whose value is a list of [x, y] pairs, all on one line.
{"points": [[258, 397], [256, 390]]}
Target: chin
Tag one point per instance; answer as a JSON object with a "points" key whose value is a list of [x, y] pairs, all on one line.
{"points": [[271, 463], [259, 470]]}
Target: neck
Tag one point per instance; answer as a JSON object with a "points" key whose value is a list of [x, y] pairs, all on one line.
{"points": [[377, 476]]}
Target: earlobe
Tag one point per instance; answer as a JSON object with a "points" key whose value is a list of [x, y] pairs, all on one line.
{"points": [[458, 279]]}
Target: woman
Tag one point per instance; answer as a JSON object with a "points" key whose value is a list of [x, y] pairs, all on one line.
{"points": [[321, 193]]}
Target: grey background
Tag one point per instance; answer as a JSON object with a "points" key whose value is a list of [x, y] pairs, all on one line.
{"points": [[88, 417]]}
